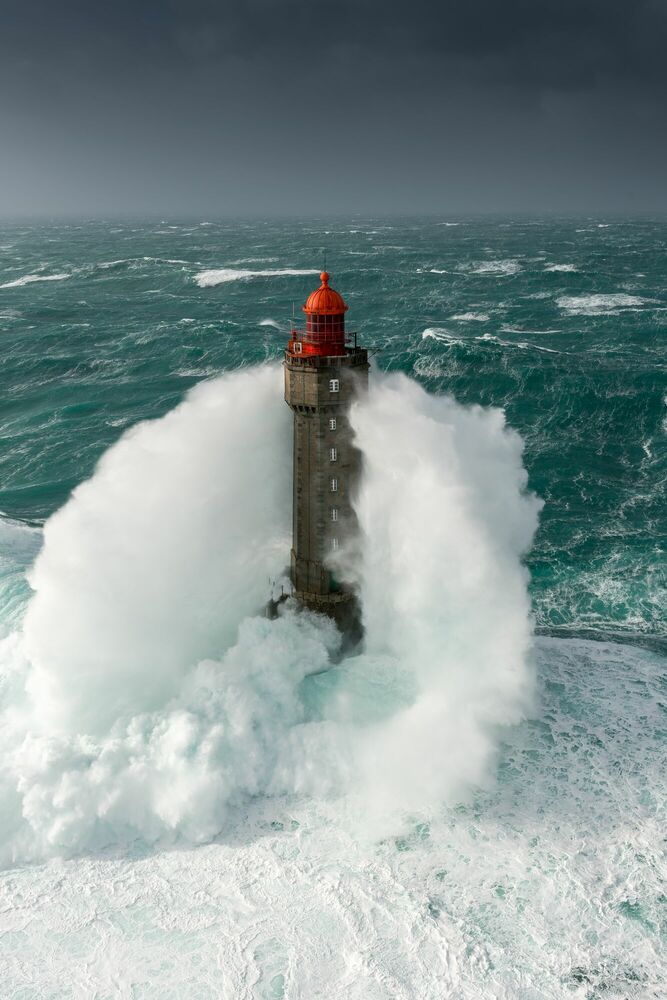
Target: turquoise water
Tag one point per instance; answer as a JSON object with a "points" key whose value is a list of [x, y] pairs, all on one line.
{"points": [[561, 323], [545, 883]]}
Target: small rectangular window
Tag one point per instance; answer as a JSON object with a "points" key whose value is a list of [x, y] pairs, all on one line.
{"points": [[334, 543], [333, 454], [332, 423], [334, 385], [298, 347], [334, 513], [334, 486]]}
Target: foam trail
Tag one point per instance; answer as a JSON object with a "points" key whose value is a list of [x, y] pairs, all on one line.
{"points": [[30, 279], [146, 698]]}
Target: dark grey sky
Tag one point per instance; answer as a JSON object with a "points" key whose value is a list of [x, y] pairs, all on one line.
{"points": [[194, 107]]}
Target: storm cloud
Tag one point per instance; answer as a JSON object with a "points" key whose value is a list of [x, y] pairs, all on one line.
{"points": [[287, 106]]}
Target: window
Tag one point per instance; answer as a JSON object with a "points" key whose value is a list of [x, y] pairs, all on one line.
{"points": [[334, 543], [298, 347], [334, 513], [333, 454], [332, 423], [334, 486], [334, 385]]}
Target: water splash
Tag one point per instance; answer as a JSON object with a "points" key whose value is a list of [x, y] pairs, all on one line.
{"points": [[148, 696]]}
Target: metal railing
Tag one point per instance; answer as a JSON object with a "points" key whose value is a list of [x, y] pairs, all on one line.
{"points": [[323, 360]]}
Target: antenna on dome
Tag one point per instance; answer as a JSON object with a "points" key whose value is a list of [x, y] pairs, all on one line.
{"points": [[324, 267]]}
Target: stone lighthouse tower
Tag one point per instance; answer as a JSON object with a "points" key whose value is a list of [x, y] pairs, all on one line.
{"points": [[324, 371]]}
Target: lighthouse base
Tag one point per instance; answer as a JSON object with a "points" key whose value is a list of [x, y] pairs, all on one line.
{"points": [[342, 607]]}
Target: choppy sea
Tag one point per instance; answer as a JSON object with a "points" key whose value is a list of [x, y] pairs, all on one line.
{"points": [[545, 880]]}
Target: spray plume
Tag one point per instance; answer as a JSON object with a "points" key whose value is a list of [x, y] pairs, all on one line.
{"points": [[146, 697]]}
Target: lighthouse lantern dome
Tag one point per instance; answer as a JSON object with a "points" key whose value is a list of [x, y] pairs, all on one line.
{"points": [[325, 301]]}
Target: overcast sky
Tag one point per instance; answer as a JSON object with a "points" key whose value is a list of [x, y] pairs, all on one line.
{"points": [[194, 107]]}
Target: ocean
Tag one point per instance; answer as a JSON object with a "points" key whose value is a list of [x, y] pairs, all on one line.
{"points": [[198, 802]]}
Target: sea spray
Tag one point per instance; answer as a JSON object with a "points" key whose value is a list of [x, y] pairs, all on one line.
{"points": [[158, 699], [153, 563], [445, 518]]}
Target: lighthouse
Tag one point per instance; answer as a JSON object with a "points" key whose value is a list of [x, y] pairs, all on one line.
{"points": [[325, 371]]}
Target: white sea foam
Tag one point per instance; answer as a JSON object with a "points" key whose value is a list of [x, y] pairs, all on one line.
{"points": [[522, 345], [493, 267], [30, 279], [431, 368], [423, 512], [599, 305], [510, 889], [220, 276], [273, 323], [472, 317], [437, 333], [144, 700], [564, 268]]}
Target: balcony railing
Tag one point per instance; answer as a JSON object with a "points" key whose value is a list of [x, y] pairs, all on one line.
{"points": [[324, 360]]}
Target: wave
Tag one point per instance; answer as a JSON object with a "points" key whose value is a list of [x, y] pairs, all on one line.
{"points": [[153, 700], [493, 267], [561, 268], [29, 279], [437, 333], [107, 265], [599, 305], [471, 317], [520, 344], [220, 276]]}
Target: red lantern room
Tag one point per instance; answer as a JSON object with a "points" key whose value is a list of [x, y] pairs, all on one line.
{"points": [[324, 334]]}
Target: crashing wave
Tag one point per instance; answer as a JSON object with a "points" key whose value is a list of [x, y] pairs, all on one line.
{"points": [[147, 698], [30, 279], [220, 276]]}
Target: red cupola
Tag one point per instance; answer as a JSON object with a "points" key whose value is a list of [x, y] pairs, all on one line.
{"points": [[325, 301], [324, 334]]}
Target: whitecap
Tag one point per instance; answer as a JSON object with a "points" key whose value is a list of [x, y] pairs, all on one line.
{"points": [[533, 333], [523, 345], [561, 268], [220, 276], [29, 279], [471, 317], [494, 267], [599, 305], [436, 333]]}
